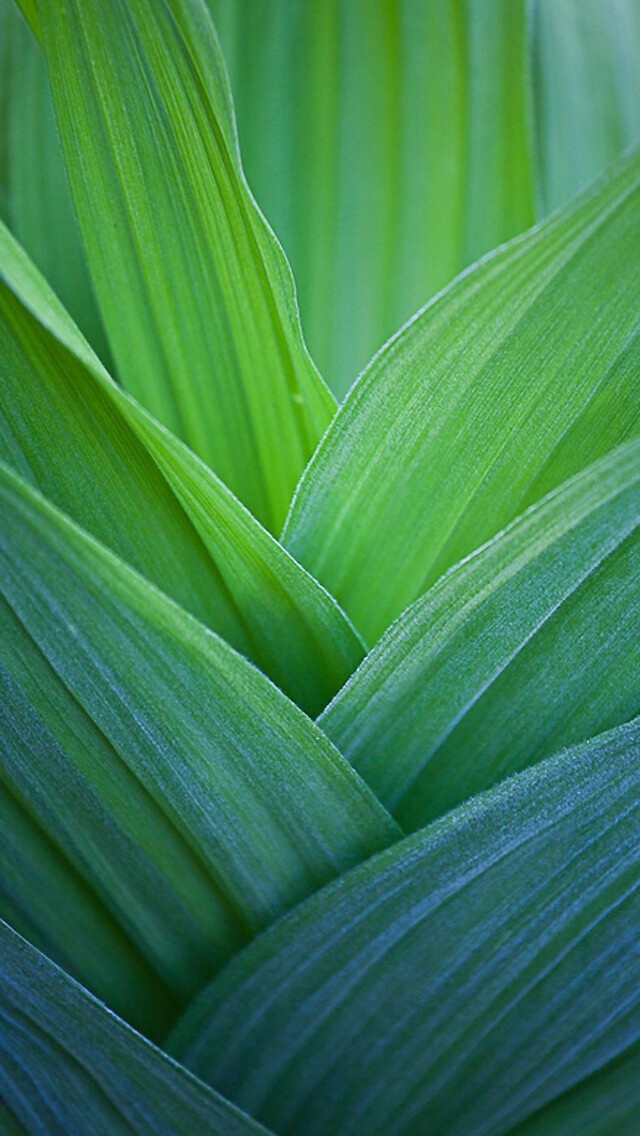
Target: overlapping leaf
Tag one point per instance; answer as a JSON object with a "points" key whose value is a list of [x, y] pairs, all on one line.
{"points": [[530, 644], [44, 891], [193, 797], [510, 381], [391, 146], [101, 458], [606, 1104], [457, 982], [69, 1066], [195, 293]]}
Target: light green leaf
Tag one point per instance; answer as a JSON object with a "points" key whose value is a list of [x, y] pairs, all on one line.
{"points": [[606, 1104], [101, 458], [516, 376], [388, 144], [68, 1066], [194, 798], [457, 982], [530, 644], [35, 200], [196, 295], [585, 90]]}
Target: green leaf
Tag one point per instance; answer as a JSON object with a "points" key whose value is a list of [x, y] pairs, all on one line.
{"points": [[9, 1125], [606, 1104], [585, 91], [528, 645], [194, 798], [102, 459], [388, 145], [68, 1066], [455, 983], [35, 200], [196, 295], [516, 376], [44, 891]]}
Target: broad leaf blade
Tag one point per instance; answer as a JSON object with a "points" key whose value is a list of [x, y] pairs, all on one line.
{"points": [[585, 94], [101, 458], [388, 145], [209, 803], [530, 644], [69, 1066], [44, 891], [520, 371], [9, 1124], [606, 1104], [455, 983], [35, 200], [196, 295]]}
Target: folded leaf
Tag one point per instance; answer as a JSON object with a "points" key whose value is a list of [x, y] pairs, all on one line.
{"points": [[65, 426], [530, 644], [509, 382], [68, 1066], [606, 1104], [585, 91], [388, 145], [195, 293], [35, 200], [455, 983], [43, 891], [187, 791]]}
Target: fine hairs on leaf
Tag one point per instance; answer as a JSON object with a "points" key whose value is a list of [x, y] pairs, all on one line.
{"points": [[319, 568]]}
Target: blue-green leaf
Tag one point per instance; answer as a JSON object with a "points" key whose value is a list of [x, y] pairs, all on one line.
{"points": [[188, 793], [606, 1104], [68, 1066], [530, 644], [457, 982]]}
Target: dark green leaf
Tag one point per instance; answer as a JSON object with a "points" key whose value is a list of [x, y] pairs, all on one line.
{"points": [[457, 982], [35, 200], [606, 1104], [68, 1066], [193, 798]]}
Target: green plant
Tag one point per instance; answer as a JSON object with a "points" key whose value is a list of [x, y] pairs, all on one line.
{"points": [[320, 747]]}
